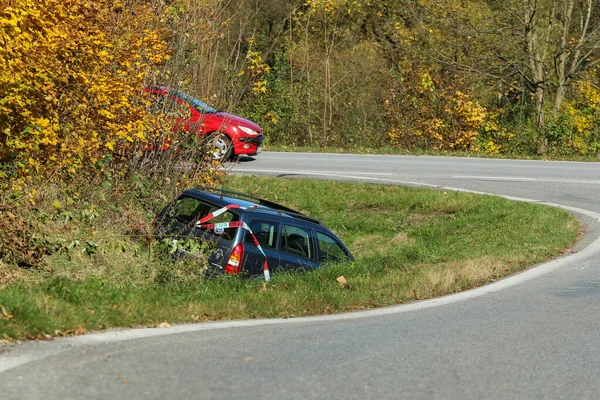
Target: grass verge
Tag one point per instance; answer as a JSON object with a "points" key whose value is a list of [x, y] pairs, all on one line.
{"points": [[409, 244]]}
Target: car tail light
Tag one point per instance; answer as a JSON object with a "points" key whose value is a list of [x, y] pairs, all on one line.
{"points": [[234, 265]]}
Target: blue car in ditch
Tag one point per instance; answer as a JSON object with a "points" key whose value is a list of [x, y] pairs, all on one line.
{"points": [[250, 234]]}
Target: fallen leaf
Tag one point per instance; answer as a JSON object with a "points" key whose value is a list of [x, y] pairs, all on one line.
{"points": [[80, 331], [264, 287], [164, 325], [342, 281], [123, 380]]}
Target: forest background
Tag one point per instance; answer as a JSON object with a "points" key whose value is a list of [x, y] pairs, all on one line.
{"points": [[496, 76], [486, 76], [514, 77]]}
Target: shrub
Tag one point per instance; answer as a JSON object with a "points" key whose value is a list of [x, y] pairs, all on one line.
{"points": [[21, 243], [71, 81], [427, 113]]}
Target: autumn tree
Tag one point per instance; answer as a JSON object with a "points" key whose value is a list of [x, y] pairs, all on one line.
{"points": [[557, 42], [530, 49]]}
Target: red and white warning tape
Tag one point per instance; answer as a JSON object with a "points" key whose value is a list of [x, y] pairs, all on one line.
{"points": [[237, 224]]}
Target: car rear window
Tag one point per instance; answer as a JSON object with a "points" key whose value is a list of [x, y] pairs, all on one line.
{"points": [[185, 209], [188, 210]]}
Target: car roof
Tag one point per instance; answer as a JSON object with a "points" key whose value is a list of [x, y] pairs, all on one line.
{"points": [[224, 198], [197, 104]]}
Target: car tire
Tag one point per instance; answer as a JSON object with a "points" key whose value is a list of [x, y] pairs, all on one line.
{"points": [[221, 147]]}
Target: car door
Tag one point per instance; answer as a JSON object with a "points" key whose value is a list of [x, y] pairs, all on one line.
{"points": [[297, 248], [267, 234]]}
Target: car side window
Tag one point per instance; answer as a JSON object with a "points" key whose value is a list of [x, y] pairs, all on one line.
{"points": [[266, 233], [330, 249], [297, 241]]}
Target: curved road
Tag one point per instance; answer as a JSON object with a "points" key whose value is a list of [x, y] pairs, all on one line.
{"points": [[539, 338]]}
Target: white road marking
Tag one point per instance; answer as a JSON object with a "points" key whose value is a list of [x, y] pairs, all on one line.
{"points": [[361, 176], [301, 172], [8, 361], [494, 178], [285, 155], [517, 179], [339, 175]]}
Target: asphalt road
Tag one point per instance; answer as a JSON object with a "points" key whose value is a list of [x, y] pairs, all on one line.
{"points": [[535, 335]]}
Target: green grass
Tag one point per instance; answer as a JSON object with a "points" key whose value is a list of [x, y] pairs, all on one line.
{"points": [[419, 152], [408, 243]]}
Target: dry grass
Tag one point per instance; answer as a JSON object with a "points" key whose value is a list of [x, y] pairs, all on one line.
{"points": [[10, 275], [402, 237], [373, 244], [455, 276]]}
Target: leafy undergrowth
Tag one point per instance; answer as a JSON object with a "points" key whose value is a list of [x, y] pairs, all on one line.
{"points": [[409, 244]]}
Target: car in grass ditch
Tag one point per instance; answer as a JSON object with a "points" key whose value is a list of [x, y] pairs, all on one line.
{"points": [[232, 136], [251, 236]]}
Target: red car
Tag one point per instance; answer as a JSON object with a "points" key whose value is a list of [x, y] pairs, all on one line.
{"points": [[234, 136]]}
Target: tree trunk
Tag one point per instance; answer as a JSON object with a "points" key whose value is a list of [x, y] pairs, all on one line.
{"points": [[561, 59], [540, 121], [571, 52], [536, 51]]}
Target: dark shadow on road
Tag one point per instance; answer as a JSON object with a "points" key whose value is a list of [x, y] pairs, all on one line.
{"points": [[243, 159], [580, 289]]}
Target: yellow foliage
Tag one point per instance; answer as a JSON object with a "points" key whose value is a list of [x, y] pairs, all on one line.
{"points": [[585, 115], [71, 78], [330, 6], [436, 117], [257, 71], [427, 83], [583, 111]]}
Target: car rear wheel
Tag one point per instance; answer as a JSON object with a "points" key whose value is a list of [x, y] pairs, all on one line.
{"points": [[221, 147]]}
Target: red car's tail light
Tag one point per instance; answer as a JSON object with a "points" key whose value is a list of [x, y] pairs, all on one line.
{"points": [[234, 265]]}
